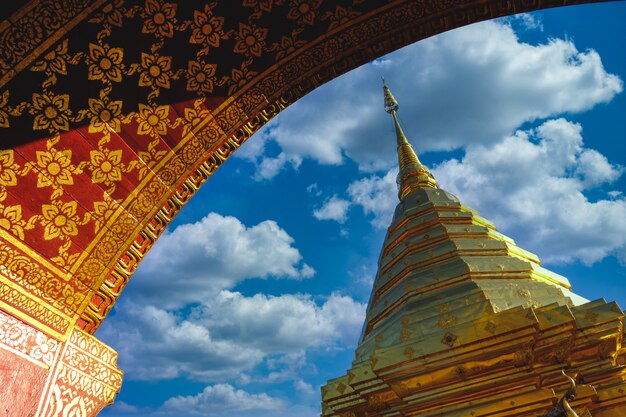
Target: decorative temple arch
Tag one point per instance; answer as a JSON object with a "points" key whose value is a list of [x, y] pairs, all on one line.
{"points": [[114, 112]]}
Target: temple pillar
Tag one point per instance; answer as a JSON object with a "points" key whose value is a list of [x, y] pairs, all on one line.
{"points": [[46, 376]]}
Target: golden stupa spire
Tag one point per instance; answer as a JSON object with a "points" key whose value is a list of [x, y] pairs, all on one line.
{"points": [[413, 174], [464, 323]]}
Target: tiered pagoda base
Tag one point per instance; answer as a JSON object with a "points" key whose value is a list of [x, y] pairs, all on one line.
{"points": [[505, 364]]}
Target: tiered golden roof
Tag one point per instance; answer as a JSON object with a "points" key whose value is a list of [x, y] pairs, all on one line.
{"points": [[462, 322]]}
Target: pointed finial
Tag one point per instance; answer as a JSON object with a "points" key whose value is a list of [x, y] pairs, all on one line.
{"points": [[412, 174], [391, 104]]}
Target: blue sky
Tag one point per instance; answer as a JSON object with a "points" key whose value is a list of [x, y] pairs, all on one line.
{"points": [[256, 294]]}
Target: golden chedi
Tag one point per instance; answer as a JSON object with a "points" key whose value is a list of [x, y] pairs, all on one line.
{"points": [[463, 323]]}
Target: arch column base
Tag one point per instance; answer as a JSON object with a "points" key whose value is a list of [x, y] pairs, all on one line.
{"points": [[43, 376]]}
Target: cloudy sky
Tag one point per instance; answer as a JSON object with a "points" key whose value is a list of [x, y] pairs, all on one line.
{"points": [[255, 295]]}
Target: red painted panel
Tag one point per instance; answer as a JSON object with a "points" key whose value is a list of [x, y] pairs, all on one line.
{"points": [[21, 385]]}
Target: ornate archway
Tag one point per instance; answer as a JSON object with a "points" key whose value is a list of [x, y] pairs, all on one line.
{"points": [[113, 113]]}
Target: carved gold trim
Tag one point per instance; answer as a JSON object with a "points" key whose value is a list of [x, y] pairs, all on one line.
{"points": [[65, 27]]}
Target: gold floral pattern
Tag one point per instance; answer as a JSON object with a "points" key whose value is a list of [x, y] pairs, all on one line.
{"points": [[104, 210], [70, 296], [156, 71], [104, 113], [207, 28], [106, 247], [262, 5], [55, 168], [150, 159], [287, 45], [238, 78], [304, 11], [54, 61], [201, 77], [51, 112], [8, 167], [60, 220], [340, 16], [152, 120], [65, 260], [160, 18], [105, 63], [193, 117], [110, 15], [106, 165], [250, 39], [11, 220]]}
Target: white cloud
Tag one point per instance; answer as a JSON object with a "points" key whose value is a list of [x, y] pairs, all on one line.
{"points": [[334, 208], [285, 324], [224, 336], [155, 344], [472, 85], [199, 259], [376, 195], [269, 167], [595, 169], [527, 21], [304, 387], [219, 399], [213, 400], [229, 334], [533, 184], [314, 189]]}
